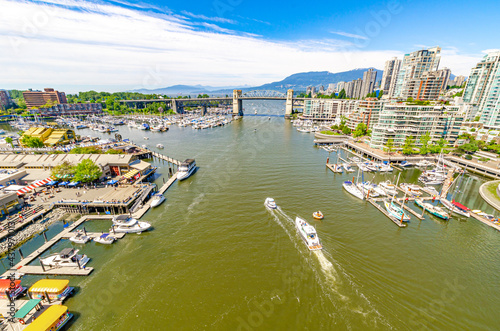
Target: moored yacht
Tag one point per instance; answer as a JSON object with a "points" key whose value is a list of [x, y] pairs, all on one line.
{"points": [[126, 224], [308, 234], [396, 211], [68, 257], [158, 198], [389, 188], [434, 210], [456, 207], [187, 168], [353, 189], [80, 237], [105, 239]]}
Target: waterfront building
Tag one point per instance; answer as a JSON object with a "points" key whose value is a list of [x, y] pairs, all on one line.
{"points": [[368, 82], [413, 66], [327, 109], [5, 100], [426, 87], [483, 89], [399, 120], [51, 137], [9, 202], [40, 98], [365, 111], [68, 109]]}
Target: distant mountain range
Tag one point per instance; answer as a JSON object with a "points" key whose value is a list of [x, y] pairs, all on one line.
{"points": [[298, 82]]}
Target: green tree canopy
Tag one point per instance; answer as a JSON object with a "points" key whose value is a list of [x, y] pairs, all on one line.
{"points": [[424, 140], [408, 145], [87, 171], [63, 170], [31, 142], [390, 145]]}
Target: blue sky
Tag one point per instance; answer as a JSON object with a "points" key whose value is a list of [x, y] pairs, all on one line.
{"points": [[117, 45]]}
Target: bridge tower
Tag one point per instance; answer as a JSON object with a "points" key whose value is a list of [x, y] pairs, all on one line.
{"points": [[173, 104], [237, 103], [289, 104]]}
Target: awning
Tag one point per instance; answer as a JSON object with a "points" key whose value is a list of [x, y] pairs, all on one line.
{"points": [[459, 205], [63, 183], [35, 184], [49, 286], [5, 284], [131, 173], [52, 183], [28, 306], [73, 184], [112, 182], [48, 318]]}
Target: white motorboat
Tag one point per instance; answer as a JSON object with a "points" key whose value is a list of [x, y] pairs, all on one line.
{"points": [[367, 189], [456, 207], [187, 168], [375, 190], [389, 188], [353, 189], [363, 167], [347, 167], [306, 130], [105, 239], [129, 225], [160, 146], [423, 163], [80, 237], [270, 203], [405, 164], [158, 198], [385, 168], [68, 257], [143, 126], [308, 234], [396, 211], [411, 189], [430, 190], [146, 138]]}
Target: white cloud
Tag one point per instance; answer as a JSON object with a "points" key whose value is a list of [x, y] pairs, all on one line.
{"points": [[206, 18], [350, 35], [78, 43]]}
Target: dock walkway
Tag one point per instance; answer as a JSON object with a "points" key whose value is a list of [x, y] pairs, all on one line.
{"points": [[166, 158], [383, 211], [24, 267]]}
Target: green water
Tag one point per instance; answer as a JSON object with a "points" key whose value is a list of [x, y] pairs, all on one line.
{"points": [[218, 260]]}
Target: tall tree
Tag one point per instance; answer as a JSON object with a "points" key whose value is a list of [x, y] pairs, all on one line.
{"points": [[63, 170], [408, 145], [424, 140], [87, 171]]}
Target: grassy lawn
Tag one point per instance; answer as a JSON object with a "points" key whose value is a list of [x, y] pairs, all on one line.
{"points": [[492, 189], [331, 133]]}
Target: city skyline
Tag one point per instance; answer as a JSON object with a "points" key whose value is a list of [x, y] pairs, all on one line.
{"points": [[116, 46]]}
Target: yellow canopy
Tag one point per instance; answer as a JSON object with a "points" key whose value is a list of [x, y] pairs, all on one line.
{"points": [[131, 173], [47, 319], [50, 286]]}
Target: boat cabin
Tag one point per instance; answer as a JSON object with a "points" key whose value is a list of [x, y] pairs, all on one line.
{"points": [[26, 309], [55, 289], [12, 288], [187, 165], [53, 319]]}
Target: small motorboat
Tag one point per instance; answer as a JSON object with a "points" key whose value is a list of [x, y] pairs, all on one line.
{"points": [[158, 198], [308, 234], [160, 146], [126, 224], [270, 203], [80, 237], [105, 239], [318, 215], [146, 138]]}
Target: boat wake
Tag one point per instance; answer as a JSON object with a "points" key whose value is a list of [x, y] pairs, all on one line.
{"points": [[330, 281]]}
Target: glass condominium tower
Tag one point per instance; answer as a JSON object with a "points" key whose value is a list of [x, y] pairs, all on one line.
{"points": [[414, 65]]}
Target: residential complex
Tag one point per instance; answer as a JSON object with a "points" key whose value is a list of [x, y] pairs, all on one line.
{"points": [[369, 80], [68, 109], [390, 76], [483, 89], [39, 98], [327, 109], [397, 121], [413, 67]]}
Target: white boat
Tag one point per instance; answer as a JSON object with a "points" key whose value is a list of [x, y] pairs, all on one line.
{"points": [[347, 167], [411, 189], [423, 163], [143, 126], [125, 224], [337, 168], [395, 211], [405, 164], [308, 234], [80, 237], [363, 167], [456, 207], [146, 138], [389, 188], [431, 190], [375, 190], [353, 189], [160, 146], [158, 198], [385, 168], [187, 168], [367, 188], [68, 257], [270, 203], [434, 210], [105, 239]]}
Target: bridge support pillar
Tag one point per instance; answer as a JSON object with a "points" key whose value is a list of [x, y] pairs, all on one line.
{"points": [[174, 105], [289, 104], [203, 110], [237, 103]]}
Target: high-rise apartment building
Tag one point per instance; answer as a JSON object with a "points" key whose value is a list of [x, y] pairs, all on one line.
{"points": [[426, 87], [369, 80], [357, 85], [459, 80], [340, 86], [483, 89], [39, 98], [445, 73], [413, 66], [5, 99]]}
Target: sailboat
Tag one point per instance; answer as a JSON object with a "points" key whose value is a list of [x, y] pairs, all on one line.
{"points": [[454, 206], [352, 188]]}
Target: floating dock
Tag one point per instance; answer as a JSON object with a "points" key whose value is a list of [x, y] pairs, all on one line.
{"points": [[383, 211]]}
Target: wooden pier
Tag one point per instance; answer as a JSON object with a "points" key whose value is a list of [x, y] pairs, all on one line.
{"points": [[485, 221], [144, 209], [383, 211], [24, 267], [331, 167], [166, 158], [420, 217]]}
